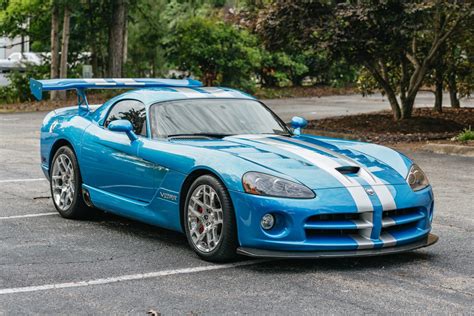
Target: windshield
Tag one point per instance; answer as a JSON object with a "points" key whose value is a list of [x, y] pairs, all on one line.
{"points": [[218, 117]]}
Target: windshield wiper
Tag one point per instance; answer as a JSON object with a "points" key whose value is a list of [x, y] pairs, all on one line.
{"points": [[213, 135], [277, 133], [283, 134]]}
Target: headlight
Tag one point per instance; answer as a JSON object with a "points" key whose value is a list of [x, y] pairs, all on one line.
{"points": [[416, 178], [265, 184]]}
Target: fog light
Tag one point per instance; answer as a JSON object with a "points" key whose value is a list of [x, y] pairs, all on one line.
{"points": [[267, 221]]}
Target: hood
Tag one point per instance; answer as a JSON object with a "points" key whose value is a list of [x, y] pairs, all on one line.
{"points": [[318, 163]]}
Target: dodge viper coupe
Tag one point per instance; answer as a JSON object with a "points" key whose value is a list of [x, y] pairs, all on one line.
{"points": [[220, 166]]}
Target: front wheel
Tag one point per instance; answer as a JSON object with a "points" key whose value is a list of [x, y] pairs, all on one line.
{"points": [[66, 185], [209, 220]]}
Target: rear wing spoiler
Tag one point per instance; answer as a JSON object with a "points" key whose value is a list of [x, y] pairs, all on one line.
{"points": [[81, 85]]}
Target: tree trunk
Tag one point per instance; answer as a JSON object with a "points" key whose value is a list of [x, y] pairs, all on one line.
{"points": [[438, 106], [54, 46], [92, 39], [407, 108], [64, 48], [125, 36], [392, 98], [116, 38], [453, 90]]}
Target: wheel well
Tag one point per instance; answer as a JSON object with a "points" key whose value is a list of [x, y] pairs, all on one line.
{"points": [[185, 188], [58, 144]]}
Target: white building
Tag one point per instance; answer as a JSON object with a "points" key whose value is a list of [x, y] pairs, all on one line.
{"points": [[9, 46], [12, 45]]}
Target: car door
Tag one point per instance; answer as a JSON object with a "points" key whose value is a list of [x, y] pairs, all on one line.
{"points": [[110, 160]]}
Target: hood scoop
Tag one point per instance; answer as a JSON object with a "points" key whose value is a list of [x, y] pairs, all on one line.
{"points": [[348, 169]]}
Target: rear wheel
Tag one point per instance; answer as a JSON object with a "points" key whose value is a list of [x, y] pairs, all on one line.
{"points": [[66, 185], [209, 220]]}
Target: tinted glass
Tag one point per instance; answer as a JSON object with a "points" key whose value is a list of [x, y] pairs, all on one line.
{"points": [[131, 110], [213, 116]]}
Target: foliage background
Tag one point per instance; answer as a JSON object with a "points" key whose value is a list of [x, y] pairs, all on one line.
{"points": [[262, 44]]}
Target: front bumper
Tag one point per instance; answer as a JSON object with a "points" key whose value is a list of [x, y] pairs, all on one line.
{"points": [[263, 253], [347, 232]]}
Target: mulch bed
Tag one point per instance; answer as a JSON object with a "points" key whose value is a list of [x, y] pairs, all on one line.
{"points": [[380, 127]]}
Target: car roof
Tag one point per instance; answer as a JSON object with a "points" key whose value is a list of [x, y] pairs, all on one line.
{"points": [[150, 96]]}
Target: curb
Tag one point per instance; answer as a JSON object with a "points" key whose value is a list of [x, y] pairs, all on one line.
{"points": [[460, 150]]}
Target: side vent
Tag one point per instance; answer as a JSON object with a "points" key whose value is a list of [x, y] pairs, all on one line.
{"points": [[87, 198], [348, 169]]}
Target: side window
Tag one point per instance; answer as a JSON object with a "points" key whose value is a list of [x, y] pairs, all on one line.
{"points": [[131, 110]]}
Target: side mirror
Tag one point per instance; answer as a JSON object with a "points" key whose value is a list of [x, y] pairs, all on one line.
{"points": [[298, 123], [123, 126]]}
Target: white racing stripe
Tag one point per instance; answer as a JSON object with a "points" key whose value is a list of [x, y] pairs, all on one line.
{"points": [[385, 197], [130, 277], [190, 93], [362, 243], [22, 180], [28, 215], [388, 221], [388, 240], [128, 81], [218, 93], [101, 82], [383, 193]]}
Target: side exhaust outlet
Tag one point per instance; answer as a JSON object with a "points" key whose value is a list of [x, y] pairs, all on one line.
{"points": [[87, 198]]}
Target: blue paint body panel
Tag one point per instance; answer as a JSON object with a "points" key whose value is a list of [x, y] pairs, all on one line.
{"points": [[143, 179]]}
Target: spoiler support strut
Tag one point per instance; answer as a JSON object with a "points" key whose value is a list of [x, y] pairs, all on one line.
{"points": [[82, 100]]}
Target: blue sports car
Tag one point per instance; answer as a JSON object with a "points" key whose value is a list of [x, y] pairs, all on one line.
{"points": [[218, 165]]}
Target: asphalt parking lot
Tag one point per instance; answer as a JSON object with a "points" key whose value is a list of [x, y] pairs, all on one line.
{"points": [[110, 265]]}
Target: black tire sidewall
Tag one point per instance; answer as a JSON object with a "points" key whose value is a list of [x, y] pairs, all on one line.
{"points": [[226, 249], [77, 207]]}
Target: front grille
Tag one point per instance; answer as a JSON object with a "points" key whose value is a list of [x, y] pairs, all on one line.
{"points": [[399, 228], [338, 225], [333, 217], [401, 216], [330, 232], [361, 226]]}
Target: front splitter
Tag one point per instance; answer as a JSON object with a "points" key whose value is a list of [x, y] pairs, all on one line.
{"points": [[263, 253]]}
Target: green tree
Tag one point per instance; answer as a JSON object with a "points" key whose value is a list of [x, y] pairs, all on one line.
{"points": [[214, 51], [382, 36], [25, 19], [147, 29]]}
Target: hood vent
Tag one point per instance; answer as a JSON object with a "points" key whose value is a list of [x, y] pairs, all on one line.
{"points": [[348, 169]]}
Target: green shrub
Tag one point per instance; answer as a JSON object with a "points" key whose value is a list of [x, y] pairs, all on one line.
{"points": [[467, 134], [19, 88], [279, 69]]}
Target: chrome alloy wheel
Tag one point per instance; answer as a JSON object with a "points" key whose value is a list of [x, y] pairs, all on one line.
{"points": [[205, 219], [63, 184]]}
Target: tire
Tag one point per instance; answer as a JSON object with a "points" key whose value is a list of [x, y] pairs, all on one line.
{"points": [[72, 206], [201, 200]]}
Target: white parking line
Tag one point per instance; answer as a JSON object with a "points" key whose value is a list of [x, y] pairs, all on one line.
{"points": [[129, 277], [22, 180], [28, 215]]}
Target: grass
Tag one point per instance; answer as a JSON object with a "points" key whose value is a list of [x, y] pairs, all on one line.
{"points": [[465, 135]]}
